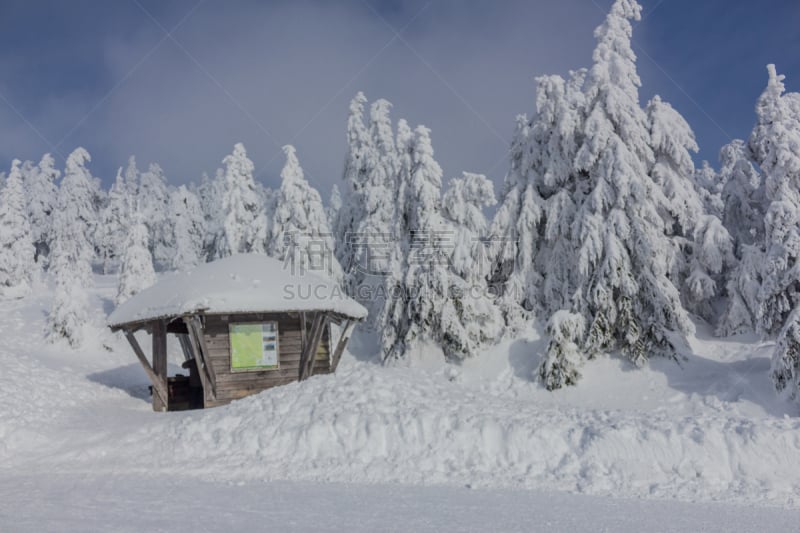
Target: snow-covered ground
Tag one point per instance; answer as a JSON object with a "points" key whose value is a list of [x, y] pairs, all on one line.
{"points": [[428, 447]]}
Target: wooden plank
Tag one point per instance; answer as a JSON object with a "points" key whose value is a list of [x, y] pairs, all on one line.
{"points": [[244, 377], [158, 387], [340, 346], [160, 402], [253, 388]]}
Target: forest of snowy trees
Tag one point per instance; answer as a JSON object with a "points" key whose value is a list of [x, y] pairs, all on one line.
{"points": [[604, 233]]}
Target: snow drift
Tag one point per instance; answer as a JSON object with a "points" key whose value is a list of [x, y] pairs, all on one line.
{"points": [[377, 425]]}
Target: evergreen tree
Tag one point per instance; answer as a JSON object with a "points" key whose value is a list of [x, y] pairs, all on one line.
{"points": [[188, 232], [42, 195], [532, 228], [355, 181], [245, 224], [153, 201], [334, 206], [743, 195], [626, 255], [424, 284], [137, 271], [17, 253], [114, 224], [472, 319], [73, 223], [371, 255], [775, 142], [705, 245], [210, 193], [563, 359], [81, 188], [301, 235]]}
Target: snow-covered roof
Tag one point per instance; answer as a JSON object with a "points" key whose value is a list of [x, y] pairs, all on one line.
{"points": [[245, 283]]}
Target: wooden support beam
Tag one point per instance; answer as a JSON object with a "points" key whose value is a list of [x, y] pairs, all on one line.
{"points": [[303, 330], [209, 387], [158, 387], [349, 325], [317, 341], [186, 346], [160, 403], [310, 349], [197, 329]]}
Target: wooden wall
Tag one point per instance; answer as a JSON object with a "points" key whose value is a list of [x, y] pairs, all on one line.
{"points": [[233, 385]]}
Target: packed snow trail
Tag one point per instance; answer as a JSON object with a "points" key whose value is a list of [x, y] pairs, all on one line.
{"points": [[139, 503]]}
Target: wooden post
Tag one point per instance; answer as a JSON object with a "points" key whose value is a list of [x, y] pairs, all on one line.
{"points": [[160, 363], [186, 346], [159, 388], [310, 348], [317, 340], [209, 387], [196, 328], [340, 346]]}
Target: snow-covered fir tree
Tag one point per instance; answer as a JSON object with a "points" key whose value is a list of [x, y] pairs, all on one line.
{"points": [[187, 229], [775, 142], [706, 248], [333, 208], [210, 193], [532, 227], [744, 200], [742, 195], [244, 223], [785, 368], [625, 254], [114, 223], [153, 201], [84, 191], [136, 272], [42, 195], [17, 252], [563, 358], [440, 293], [473, 319], [369, 253], [301, 236], [598, 230], [419, 306], [355, 182], [71, 257]]}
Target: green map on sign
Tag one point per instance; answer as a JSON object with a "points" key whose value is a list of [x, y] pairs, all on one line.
{"points": [[253, 346]]}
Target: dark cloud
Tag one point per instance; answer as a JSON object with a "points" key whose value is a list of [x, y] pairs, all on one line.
{"points": [[268, 74]]}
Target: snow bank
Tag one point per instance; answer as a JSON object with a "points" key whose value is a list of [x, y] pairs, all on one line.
{"points": [[240, 283], [377, 425]]}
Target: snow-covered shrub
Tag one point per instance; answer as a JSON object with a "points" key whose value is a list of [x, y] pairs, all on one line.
{"points": [[561, 364]]}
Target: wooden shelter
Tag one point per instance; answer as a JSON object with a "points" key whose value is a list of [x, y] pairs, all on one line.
{"points": [[245, 323]]}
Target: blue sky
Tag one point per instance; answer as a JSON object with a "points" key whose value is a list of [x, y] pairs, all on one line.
{"points": [[179, 82]]}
